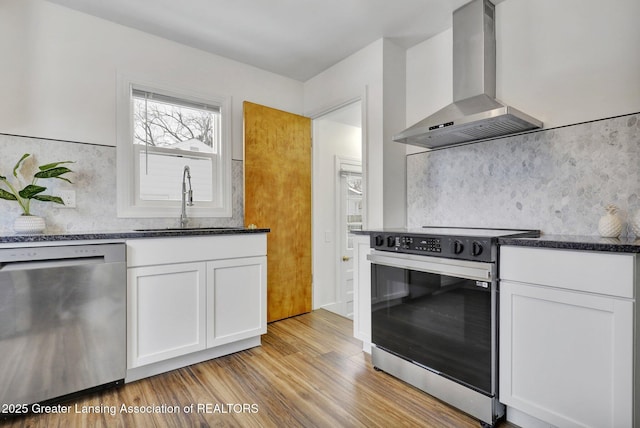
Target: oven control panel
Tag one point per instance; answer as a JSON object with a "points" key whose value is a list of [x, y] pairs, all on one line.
{"points": [[455, 247]]}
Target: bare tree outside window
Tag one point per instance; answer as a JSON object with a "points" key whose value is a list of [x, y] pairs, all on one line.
{"points": [[161, 124]]}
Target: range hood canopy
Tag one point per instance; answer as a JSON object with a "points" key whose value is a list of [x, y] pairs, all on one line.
{"points": [[475, 114]]}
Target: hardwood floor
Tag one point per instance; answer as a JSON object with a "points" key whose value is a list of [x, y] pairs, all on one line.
{"points": [[309, 372]]}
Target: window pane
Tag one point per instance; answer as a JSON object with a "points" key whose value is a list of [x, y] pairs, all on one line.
{"points": [[161, 176], [351, 205], [171, 125]]}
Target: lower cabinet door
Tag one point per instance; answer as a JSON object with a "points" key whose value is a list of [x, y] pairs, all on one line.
{"points": [[236, 299], [166, 312], [566, 357], [362, 290]]}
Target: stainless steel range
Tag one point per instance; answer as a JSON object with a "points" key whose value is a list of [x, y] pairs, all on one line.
{"points": [[434, 312]]}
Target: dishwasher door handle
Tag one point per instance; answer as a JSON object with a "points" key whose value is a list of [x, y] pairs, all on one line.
{"points": [[48, 264]]}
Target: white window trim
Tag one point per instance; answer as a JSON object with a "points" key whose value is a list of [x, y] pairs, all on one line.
{"points": [[126, 178]]}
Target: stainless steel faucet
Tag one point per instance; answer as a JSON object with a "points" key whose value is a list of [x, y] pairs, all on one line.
{"points": [[187, 195]]}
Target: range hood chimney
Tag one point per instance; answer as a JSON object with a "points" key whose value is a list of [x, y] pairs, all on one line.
{"points": [[475, 114]]}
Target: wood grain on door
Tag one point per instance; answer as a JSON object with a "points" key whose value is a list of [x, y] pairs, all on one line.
{"points": [[277, 183]]}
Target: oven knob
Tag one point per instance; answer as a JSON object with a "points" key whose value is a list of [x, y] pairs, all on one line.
{"points": [[458, 247], [476, 248], [379, 240], [391, 241]]}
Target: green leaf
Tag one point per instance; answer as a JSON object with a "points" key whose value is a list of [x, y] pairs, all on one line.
{"points": [[8, 196], [30, 191], [52, 165], [53, 172], [49, 198], [15, 168]]}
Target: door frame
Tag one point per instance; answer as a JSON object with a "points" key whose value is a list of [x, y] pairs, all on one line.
{"points": [[362, 98]]}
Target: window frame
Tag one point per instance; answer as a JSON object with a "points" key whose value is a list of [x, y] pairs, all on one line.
{"points": [[127, 179]]}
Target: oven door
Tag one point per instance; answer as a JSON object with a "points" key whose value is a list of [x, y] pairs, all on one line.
{"points": [[438, 313]]}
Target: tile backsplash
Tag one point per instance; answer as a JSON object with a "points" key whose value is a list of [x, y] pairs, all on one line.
{"points": [[556, 180], [94, 180]]}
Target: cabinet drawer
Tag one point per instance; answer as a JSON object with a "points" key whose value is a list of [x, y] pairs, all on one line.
{"points": [[160, 251], [589, 271]]}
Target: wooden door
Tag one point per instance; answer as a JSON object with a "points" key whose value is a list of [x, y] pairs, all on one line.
{"points": [[277, 183]]}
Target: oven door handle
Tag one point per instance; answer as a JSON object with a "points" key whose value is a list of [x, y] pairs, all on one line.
{"points": [[478, 271]]}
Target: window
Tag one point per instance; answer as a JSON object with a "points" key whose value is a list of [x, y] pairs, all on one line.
{"points": [[161, 131]]}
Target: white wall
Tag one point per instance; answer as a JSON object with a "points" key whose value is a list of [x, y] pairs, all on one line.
{"points": [[59, 69], [569, 61], [364, 75], [358, 76], [429, 78], [394, 159], [331, 139], [561, 62]]}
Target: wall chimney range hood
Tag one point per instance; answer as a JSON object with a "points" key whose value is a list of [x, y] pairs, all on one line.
{"points": [[475, 114]]}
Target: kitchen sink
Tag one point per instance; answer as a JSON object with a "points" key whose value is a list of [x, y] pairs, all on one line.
{"points": [[176, 229]]}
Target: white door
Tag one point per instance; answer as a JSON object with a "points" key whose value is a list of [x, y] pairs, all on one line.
{"points": [[348, 219]]}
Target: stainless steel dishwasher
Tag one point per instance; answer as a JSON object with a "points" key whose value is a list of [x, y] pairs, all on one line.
{"points": [[62, 321]]}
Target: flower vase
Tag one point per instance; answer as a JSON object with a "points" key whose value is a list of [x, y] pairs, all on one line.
{"points": [[27, 223]]}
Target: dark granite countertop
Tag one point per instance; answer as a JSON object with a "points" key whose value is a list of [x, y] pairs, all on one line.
{"points": [[565, 242], [126, 234], [583, 243]]}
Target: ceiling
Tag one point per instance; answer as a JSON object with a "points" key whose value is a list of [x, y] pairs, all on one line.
{"points": [[293, 38]]}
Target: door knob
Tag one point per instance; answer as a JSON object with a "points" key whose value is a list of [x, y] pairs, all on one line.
{"points": [[346, 258]]}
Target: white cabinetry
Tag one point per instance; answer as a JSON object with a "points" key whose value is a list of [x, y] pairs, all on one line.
{"points": [[236, 295], [567, 336], [191, 299], [166, 312], [362, 291]]}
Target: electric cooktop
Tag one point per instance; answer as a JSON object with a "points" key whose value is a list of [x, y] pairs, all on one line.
{"points": [[464, 243]]}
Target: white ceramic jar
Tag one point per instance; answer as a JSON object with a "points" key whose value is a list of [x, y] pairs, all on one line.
{"points": [[29, 224], [610, 225]]}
